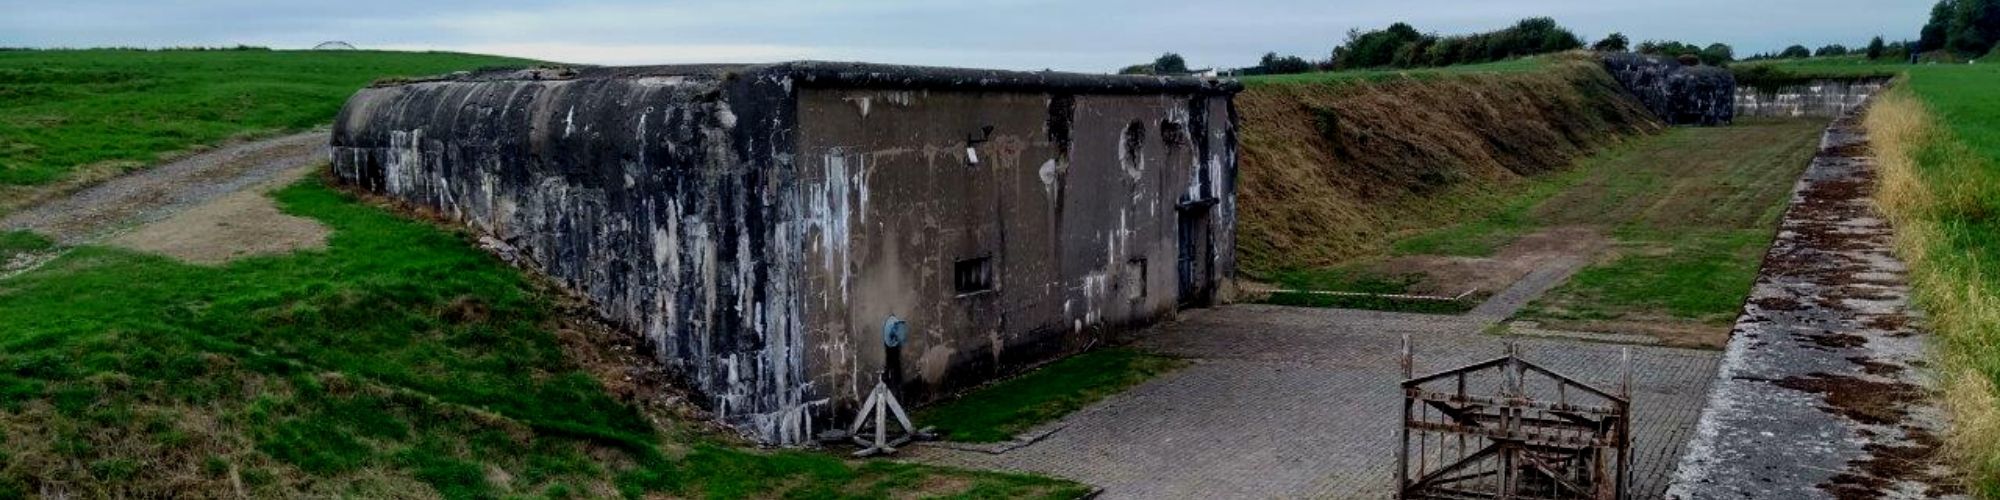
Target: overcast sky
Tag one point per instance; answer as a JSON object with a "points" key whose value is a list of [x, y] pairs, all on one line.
{"points": [[1077, 35]]}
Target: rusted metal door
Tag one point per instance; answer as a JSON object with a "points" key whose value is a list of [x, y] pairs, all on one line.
{"points": [[1510, 429]]}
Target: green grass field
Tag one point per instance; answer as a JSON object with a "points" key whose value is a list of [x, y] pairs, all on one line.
{"points": [[1690, 213], [999, 411], [1517, 65], [399, 361], [61, 110]]}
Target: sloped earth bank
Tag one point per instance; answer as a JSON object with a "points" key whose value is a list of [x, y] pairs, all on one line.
{"points": [[1823, 391], [1331, 171]]}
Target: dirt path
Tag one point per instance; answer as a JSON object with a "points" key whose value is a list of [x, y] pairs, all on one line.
{"points": [[1823, 389], [1531, 286], [1526, 256], [206, 207]]}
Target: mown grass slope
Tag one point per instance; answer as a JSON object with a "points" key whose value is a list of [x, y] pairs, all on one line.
{"points": [[1336, 168], [1517, 65], [1690, 214], [62, 110], [398, 362]]}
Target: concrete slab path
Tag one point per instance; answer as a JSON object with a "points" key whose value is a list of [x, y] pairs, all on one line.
{"points": [[1823, 390]]}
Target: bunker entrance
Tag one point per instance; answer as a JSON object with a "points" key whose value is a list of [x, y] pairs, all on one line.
{"points": [[1510, 429], [1197, 276]]}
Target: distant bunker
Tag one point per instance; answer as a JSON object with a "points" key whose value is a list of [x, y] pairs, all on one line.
{"points": [[1678, 94], [766, 227]]}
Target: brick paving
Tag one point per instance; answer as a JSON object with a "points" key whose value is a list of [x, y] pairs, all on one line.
{"points": [[1302, 403]]}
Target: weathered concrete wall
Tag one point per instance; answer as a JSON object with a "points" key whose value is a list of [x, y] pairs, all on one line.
{"points": [[1076, 199], [759, 223], [1678, 94], [664, 200], [1821, 98]]}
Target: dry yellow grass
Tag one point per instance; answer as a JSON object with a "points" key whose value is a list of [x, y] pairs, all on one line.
{"points": [[1928, 177]]}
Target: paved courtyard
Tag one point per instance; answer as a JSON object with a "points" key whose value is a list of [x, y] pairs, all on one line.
{"points": [[1296, 403]]}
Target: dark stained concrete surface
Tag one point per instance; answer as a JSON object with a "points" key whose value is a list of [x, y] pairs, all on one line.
{"points": [[760, 224], [1821, 392], [1677, 93]]}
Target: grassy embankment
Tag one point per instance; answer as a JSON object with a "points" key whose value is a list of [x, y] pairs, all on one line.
{"points": [[1518, 65], [398, 361], [999, 411], [1336, 166], [71, 117], [1938, 138], [1690, 214], [1686, 213]]}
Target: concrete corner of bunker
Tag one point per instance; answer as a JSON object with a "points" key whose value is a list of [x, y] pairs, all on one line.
{"points": [[1676, 93]]}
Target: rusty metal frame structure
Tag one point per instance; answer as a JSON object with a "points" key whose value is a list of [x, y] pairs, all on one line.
{"points": [[1510, 429]]}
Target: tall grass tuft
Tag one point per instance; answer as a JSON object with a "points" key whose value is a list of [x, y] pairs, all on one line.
{"points": [[1936, 189]]}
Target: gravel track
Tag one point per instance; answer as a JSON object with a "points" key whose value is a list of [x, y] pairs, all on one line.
{"points": [[156, 193]]}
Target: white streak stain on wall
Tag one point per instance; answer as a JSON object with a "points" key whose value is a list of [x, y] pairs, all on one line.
{"points": [[569, 231]]}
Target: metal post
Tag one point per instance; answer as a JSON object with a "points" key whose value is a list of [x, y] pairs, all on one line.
{"points": [[1403, 447], [1408, 363], [1625, 373], [882, 419]]}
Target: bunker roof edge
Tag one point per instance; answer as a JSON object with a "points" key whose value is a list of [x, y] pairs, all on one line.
{"points": [[826, 74]]}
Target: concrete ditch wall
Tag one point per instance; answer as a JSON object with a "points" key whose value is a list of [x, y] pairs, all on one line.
{"points": [[1678, 94], [760, 224], [1819, 98]]}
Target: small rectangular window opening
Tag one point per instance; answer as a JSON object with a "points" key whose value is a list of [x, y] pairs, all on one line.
{"points": [[971, 276]]}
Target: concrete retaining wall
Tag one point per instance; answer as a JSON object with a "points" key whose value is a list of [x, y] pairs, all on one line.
{"points": [[1821, 98]]}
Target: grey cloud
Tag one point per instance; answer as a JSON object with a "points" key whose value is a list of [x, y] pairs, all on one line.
{"points": [[1021, 34]]}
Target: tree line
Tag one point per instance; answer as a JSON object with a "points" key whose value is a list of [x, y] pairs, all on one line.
{"points": [[1956, 29], [1968, 28], [1401, 45]]}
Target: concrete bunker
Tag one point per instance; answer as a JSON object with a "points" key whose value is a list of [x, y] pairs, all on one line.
{"points": [[760, 225], [1676, 93]]}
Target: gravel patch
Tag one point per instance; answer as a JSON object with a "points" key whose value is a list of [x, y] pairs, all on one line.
{"points": [[205, 208], [155, 193], [240, 224]]}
